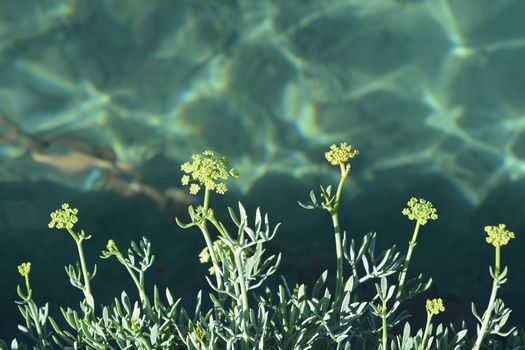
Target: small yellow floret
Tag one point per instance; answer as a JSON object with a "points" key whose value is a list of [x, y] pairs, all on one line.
{"points": [[64, 218], [194, 189], [221, 188], [24, 268], [420, 210], [498, 235], [340, 155], [204, 256], [435, 306]]}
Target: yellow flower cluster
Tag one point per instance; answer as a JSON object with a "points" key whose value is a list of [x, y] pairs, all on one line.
{"points": [[64, 218], [204, 256], [205, 170], [342, 154], [435, 306], [498, 235], [24, 268], [420, 210]]}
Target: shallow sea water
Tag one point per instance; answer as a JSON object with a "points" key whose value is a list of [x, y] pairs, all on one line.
{"points": [[99, 96]]}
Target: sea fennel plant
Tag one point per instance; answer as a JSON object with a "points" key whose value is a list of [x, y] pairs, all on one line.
{"points": [[247, 312], [337, 156]]}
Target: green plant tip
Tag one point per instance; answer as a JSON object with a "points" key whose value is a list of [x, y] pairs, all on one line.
{"points": [[498, 235], [24, 268], [420, 210], [435, 306], [205, 170], [65, 217], [112, 247], [342, 154]]}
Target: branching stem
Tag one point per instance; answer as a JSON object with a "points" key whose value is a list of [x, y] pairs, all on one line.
{"points": [[242, 282], [87, 284]]}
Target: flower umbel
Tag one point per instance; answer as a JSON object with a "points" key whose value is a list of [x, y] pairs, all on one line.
{"points": [[420, 210], [498, 235], [205, 170], [24, 269], [435, 306], [342, 154], [64, 218]]}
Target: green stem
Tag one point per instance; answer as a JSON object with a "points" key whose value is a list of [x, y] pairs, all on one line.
{"points": [[206, 203], [492, 300], [34, 313], [242, 282], [344, 175], [28, 287], [142, 294], [213, 257], [235, 285], [339, 255], [207, 238], [486, 316], [87, 285], [33, 308], [425, 334], [497, 260], [411, 246], [217, 226], [74, 235], [334, 212], [384, 326]]}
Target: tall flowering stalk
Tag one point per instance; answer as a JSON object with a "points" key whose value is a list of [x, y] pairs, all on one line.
{"points": [[113, 250], [336, 156], [66, 218], [35, 317], [434, 307], [206, 171], [339, 156], [498, 236], [24, 269], [421, 211]]}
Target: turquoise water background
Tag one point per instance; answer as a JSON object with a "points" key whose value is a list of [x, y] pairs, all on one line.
{"points": [[102, 100]]}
